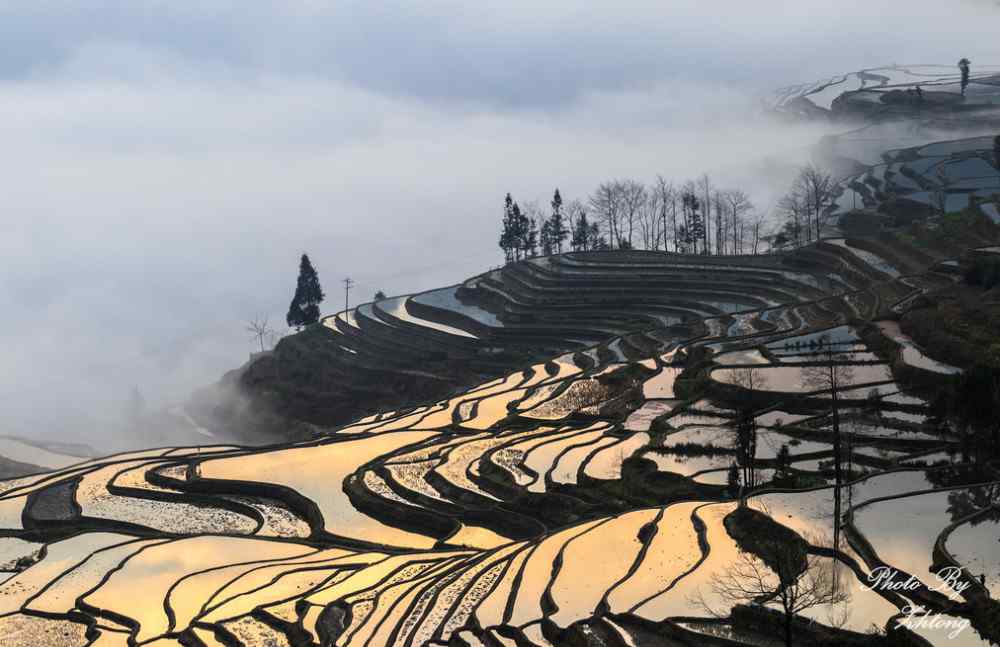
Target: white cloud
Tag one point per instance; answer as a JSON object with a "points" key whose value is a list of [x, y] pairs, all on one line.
{"points": [[163, 168]]}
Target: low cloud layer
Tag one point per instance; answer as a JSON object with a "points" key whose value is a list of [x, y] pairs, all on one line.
{"points": [[164, 168]]}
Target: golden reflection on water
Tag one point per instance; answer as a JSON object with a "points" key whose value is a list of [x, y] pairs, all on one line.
{"points": [[155, 569], [61, 556], [672, 551], [317, 473], [590, 569]]}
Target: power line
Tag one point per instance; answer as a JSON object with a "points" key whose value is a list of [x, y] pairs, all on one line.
{"points": [[348, 284]]}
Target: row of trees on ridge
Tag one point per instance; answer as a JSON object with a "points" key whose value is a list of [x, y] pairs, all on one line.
{"points": [[696, 217]]}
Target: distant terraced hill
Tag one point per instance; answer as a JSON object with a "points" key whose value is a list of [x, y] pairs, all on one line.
{"points": [[884, 93], [408, 349], [948, 177]]}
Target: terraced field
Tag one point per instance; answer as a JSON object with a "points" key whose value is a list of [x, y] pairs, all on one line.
{"points": [[884, 125], [879, 86], [580, 499], [947, 177]]}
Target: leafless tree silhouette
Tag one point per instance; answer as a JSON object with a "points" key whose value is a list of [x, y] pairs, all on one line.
{"points": [[261, 331], [792, 589]]}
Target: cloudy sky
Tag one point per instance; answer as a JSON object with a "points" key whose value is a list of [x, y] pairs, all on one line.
{"points": [[165, 163]]}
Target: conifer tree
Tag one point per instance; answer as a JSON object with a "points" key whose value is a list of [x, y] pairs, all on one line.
{"points": [[697, 229], [508, 236], [520, 226], [304, 308], [545, 237], [516, 236], [557, 225]]}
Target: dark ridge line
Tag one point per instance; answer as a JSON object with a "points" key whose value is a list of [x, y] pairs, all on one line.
{"points": [[546, 603], [602, 607], [701, 531]]}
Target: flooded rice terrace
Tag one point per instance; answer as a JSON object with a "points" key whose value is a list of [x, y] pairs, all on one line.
{"points": [[602, 496]]}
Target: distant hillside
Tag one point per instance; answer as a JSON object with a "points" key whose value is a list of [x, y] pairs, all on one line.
{"points": [[409, 349]]}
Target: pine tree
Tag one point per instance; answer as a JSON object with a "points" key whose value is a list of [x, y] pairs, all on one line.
{"points": [[304, 308], [693, 228], [508, 237], [557, 224], [545, 238], [531, 239], [380, 295], [697, 225], [520, 226]]}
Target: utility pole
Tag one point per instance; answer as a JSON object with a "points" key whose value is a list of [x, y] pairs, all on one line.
{"points": [[348, 284]]}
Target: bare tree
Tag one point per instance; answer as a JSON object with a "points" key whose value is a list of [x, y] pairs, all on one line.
{"points": [[816, 189], [690, 208], [667, 203], [719, 205], [789, 587], [831, 374], [605, 202], [651, 217], [632, 198], [756, 225], [793, 207], [706, 188], [737, 206], [261, 331]]}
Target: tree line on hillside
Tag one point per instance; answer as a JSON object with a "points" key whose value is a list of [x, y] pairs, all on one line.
{"points": [[696, 217], [803, 211]]}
